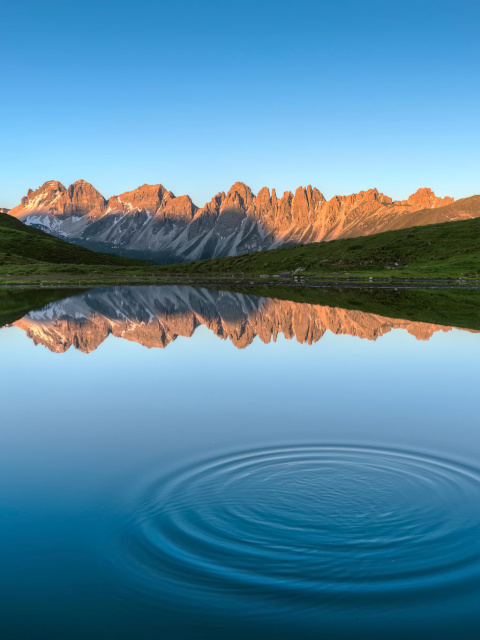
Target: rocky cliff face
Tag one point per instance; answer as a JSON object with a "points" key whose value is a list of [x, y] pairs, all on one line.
{"points": [[146, 198], [150, 221], [80, 199], [155, 316]]}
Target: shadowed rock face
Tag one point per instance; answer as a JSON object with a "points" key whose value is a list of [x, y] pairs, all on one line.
{"points": [[151, 221], [155, 316]]}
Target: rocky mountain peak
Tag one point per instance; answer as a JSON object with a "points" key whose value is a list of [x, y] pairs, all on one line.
{"points": [[81, 199], [212, 208], [44, 199], [179, 208], [239, 198], [148, 197], [54, 185], [266, 204], [425, 199], [153, 222]]}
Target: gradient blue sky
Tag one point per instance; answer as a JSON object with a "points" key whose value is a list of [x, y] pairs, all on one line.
{"points": [[345, 95]]}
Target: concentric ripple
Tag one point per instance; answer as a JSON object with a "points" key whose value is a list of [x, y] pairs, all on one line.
{"points": [[308, 522]]}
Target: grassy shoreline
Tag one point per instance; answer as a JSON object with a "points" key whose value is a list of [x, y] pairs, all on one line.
{"points": [[292, 280]]}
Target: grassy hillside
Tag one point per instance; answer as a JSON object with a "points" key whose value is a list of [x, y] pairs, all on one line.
{"points": [[25, 249], [447, 250], [462, 209], [450, 249]]}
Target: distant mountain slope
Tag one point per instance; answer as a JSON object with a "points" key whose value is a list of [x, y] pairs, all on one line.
{"points": [[24, 245], [450, 248], [150, 222], [463, 209]]}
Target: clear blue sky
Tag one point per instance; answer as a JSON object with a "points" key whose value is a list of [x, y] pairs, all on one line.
{"points": [[343, 94]]}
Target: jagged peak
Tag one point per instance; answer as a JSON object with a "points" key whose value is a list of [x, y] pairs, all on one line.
{"points": [[184, 197], [159, 187], [240, 187], [181, 207], [150, 188], [264, 195], [423, 190], [49, 184], [240, 194], [306, 206], [82, 185], [308, 191], [425, 198], [287, 195]]}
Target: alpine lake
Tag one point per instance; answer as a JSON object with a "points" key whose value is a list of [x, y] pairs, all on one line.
{"points": [[192, 463]]}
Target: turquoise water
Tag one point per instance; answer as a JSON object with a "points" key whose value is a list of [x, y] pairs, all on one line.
{"points": [[168, 469]]}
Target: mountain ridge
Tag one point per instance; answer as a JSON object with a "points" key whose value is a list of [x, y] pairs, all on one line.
{"points": [[151, 222], [23, 246]]}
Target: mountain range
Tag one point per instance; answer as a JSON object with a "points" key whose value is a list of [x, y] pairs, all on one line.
{"points": [[152, 223], [156, 316]]}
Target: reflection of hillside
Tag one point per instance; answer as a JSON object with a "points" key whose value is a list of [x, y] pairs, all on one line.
{"points": [[155, 316]]}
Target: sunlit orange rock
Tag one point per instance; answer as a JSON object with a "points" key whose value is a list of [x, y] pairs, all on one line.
{"points": [[151, 221]]}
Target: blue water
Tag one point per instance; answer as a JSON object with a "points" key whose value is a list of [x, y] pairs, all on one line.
{"points": [[168, 470]]}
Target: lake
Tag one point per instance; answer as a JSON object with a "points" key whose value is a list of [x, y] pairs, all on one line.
{"points": [[189, 463]]}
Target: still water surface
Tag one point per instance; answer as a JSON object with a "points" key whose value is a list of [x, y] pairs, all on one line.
{"points": [[183, 463]]}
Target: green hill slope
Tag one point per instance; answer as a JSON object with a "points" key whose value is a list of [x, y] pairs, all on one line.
{"points": [[21, 245], [450, 249], [446, 250]]}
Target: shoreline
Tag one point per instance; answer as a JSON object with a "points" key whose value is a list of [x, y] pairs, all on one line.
{"points": [[229, 281]]}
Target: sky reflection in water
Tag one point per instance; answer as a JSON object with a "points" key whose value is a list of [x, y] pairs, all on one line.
{"points": [[218, 487]]}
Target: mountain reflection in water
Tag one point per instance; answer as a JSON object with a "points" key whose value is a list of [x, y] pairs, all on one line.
{"points": [[154, 316], [214, 491]]}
